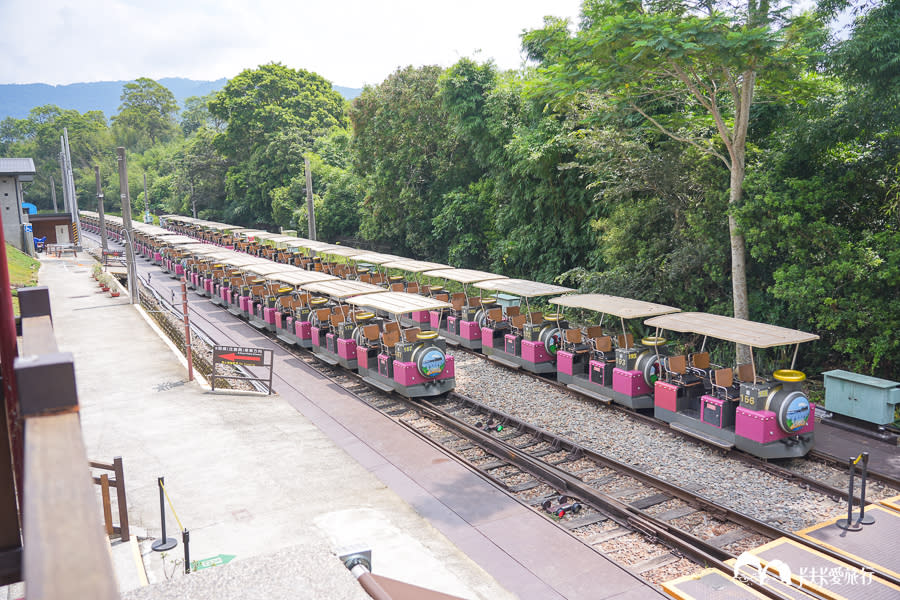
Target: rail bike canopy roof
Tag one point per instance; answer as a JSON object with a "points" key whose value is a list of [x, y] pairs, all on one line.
{"points": [[242, 260], [219, 255], [376, 258], [197, 249], [342, 288], [397, 303], [625, 308], [345, 251], [313, 245], [522, 287], [464, 275], [301, 277], [179, 218], [267, 268], [265, 235], [739, 331], [415, 266], [178, 240]]}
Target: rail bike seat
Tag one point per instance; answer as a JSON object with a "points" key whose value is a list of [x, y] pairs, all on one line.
{"points": [[602, 348], [723, 387], [677, 372]]}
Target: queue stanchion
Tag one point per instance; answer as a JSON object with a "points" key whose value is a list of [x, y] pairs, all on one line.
{"points": [[863, 519], [164, 543], [186, 540]]}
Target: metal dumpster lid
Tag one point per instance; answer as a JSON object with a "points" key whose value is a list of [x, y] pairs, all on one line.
{"points": [[868, 380]]}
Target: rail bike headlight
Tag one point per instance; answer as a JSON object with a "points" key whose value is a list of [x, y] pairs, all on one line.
{"points": [[788, 402], [648, 363], [551, 336], [430, 360]]}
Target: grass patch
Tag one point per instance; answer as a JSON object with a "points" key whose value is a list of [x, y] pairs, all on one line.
{"points": [[23, 272]]}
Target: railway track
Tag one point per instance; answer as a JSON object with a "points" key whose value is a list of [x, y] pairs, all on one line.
{"points": [[885, 483]]}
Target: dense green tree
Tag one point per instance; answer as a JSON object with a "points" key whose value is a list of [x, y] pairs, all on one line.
{"points": [[409, 157], [195, 115], [146, 115], [273, 115], [522, 214], [691, 71]]}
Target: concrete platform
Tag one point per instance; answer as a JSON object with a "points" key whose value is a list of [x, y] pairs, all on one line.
{"points": [[247, 474]]}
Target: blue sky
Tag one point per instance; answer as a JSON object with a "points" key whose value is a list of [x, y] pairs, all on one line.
{"points": [[349, 42]]}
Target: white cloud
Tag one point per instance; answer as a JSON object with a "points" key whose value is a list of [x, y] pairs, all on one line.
{"points": [[350, 42]]}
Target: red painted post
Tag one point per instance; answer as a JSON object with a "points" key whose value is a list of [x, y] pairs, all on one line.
{"points": [[187, 329], [8, 352]]}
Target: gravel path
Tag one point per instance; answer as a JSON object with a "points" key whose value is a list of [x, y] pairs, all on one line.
{"points": [[662, 453]]}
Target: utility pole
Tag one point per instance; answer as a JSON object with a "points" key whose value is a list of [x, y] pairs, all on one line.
{"points": [[62, 171], [73, 197], [104, 244], [146, 201], [193, 200], [126, 221], [53, 194], [310, 209]]}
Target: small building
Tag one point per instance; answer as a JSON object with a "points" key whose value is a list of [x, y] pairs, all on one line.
{"points": [[16, 227], [56, 227]]}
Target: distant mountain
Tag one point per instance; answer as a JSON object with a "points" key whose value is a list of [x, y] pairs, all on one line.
{"points": [[16, 100]]}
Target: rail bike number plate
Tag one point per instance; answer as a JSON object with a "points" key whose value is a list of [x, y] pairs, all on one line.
{"points": [[232, 355]]}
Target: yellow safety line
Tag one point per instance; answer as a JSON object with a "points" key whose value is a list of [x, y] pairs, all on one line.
{"points": [[180, 526]]}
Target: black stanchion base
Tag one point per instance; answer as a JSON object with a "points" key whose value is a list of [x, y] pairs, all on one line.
{"points": [[848, 525], [163, 545], [866, 520]]}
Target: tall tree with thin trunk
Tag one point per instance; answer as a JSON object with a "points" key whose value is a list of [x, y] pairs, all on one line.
{"points": [[689, 70]]}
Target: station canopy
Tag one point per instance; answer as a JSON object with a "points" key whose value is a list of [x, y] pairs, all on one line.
{"points": [[739, 331], [342, 288], [397, 303], [625, 308], [301, 277], [522, 287], [415, 266], [464, 275]]}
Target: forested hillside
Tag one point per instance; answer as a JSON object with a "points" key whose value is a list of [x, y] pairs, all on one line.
{"points": [[740, 161]]}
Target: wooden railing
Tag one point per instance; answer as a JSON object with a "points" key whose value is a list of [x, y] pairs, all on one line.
{"points": [[118, 482], [65, 551]]}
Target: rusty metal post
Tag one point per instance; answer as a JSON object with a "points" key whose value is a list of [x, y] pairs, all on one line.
{"points": [[8, 353], [187, 329]]}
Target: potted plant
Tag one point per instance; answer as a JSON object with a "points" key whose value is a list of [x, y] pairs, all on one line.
{"points": [[95, 270], [104, 282]]}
